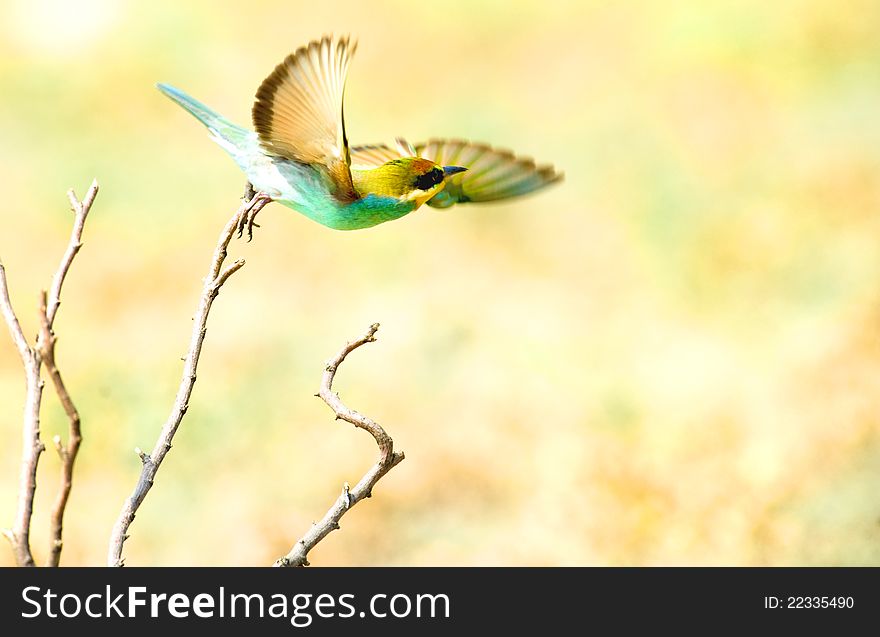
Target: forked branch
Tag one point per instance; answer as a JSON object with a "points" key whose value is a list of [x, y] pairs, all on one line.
{"points": [[33, 359], [217, 276], [67, 453], [388, 459]]}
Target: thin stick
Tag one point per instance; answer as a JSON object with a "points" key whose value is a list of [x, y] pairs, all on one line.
{"points": [[388, 459], [32, 446], [21, 344], [49, 304], [68, 453], [81, 211], [32, 359], [217, 276]]}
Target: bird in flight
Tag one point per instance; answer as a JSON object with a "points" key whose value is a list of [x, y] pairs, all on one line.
{"points": [[299, 153]]}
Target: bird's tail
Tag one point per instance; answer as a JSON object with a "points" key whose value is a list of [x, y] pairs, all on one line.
{"points": [[221, 127]]}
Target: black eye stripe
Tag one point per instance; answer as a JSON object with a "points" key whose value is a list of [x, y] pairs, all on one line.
{"points": [[429, 179]]}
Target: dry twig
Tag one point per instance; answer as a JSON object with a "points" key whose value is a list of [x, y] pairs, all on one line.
{"points": [[388, 459], [46, 342], [217, 276], [32, 446], [33, 359], [67, 453]]}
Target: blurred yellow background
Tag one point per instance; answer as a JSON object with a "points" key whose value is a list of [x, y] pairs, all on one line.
{"points": [[671, 358]]}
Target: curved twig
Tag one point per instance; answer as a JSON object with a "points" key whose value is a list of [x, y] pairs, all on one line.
{"points": [[388, 459], [67, 453], [33, 358], [81, 211], [217, 276], [49, 303], [32, 446], [21, 344]]}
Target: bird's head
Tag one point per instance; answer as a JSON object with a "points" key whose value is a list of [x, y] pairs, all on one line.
{"points": [[407, 178]]}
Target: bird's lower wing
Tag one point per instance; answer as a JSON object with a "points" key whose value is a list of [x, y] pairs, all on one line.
{"points": [[492, 173]]}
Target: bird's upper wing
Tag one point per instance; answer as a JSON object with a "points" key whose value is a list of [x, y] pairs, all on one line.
{"points": [[298, 108], [491, 174]]}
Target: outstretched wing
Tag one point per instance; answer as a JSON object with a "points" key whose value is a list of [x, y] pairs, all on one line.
{"points": [[492, 173], [298, 109]]}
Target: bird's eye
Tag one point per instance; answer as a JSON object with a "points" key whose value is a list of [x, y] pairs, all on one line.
{"points": [[429, 179]]}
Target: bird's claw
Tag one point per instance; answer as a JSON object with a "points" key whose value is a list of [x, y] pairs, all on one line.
{"points": [[248, 218]]}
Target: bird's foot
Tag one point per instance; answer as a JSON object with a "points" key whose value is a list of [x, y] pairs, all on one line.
{"points": [[247, 220]]}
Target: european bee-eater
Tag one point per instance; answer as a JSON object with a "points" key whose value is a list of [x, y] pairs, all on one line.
{"points": [[300, 157]]}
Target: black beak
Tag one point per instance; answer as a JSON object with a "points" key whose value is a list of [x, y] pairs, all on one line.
{"points": [[448, 171]]}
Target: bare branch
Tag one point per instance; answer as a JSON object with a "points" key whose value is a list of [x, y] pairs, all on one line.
{"points": [[32, 446], [21, 344], [49, 304], [81, 211], [388, 459], [74, 436], [150, 463], [32, 359], [227, 272]]}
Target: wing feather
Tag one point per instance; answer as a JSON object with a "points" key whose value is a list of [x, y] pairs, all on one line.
{"points": [[298, 111], [492, 174], [373, 155]]}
